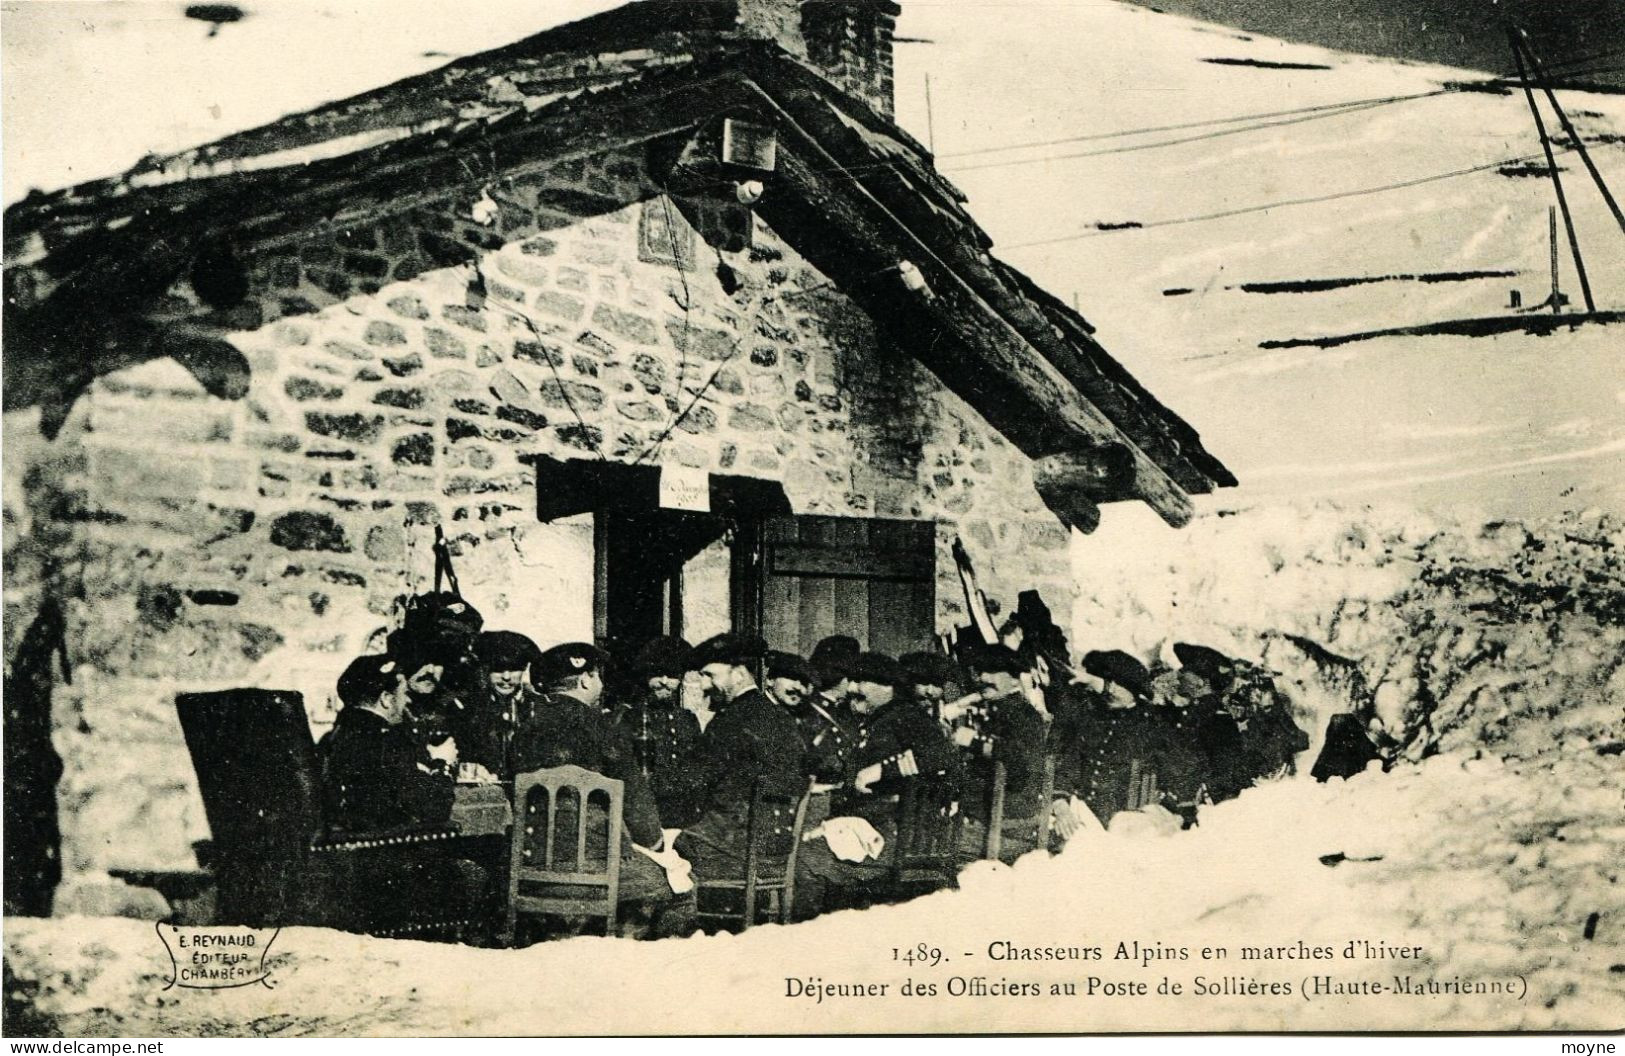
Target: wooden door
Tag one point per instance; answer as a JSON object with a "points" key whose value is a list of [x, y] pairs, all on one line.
{"points": [[872, 579]]}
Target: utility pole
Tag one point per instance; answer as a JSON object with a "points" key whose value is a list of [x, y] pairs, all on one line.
{"points": [[1551, 163], [930, 120]]}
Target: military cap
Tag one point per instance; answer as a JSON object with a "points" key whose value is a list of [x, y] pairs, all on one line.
{"points": [[506, 651], [662, 658], [877, 668], [788, 665], [567, 661], [1201, 660], [367, 678], [1118, 667], [927, 669], [831, 657], [737, 650], [996, 658]]}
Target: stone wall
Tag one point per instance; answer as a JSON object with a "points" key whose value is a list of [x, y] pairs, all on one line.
{"points": [[401, 373]]}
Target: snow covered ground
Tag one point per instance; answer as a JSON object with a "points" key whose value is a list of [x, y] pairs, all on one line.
{"points": [[1493, 869], [1511, 425]]}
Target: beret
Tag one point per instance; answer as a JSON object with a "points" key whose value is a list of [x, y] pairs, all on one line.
{"points": [[413, 652], [877, 668], [366, 679], [830, 658], [927, 669], [734, 649], [505, 651], [662, 657], [1201, 660], [1118, 667], [996, 658], [567, 661], [788, 665]]}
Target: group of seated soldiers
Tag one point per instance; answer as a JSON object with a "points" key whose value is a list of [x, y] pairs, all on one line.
{"points": [[694, 732]]}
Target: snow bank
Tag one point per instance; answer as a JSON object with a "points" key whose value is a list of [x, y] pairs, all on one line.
{"points": [[1492, 869], [1464, 633]]}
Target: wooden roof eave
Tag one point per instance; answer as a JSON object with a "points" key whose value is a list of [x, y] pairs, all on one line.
{"points": [[812, 175], [1124, 402]]}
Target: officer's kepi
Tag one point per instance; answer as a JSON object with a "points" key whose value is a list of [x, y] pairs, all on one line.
{"points": [[734, 650]]}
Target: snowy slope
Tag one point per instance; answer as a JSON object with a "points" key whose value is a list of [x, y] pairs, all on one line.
{"points": [[1511, 424]]}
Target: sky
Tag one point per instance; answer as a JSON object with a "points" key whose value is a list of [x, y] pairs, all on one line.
{"points": [[1514, 424]]}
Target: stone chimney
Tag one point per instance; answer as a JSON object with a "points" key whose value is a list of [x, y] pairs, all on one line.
{"points": [[848, 41]]}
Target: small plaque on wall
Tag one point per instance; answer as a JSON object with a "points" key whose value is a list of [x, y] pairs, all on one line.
{"points": [[682, 488]]}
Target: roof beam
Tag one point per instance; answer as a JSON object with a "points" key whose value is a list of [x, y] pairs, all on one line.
{"points": [[960, 337]]}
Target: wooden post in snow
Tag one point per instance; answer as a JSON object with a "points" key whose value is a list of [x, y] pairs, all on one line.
{"points": [[1551, 231]]}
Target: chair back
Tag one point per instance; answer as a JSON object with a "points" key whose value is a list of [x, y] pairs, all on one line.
{"points": [[771, 853], [553, 868], [995, 813], [1046, 801], [260, 781], [928, 827], [257, 769], [1142, 785]]}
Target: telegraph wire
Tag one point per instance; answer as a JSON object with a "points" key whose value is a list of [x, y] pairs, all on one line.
{"points": [[1567, 67], [1238, 119], [1132, 148]]}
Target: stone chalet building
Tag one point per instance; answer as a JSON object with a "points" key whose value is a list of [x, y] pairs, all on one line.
{"points": [[658, 316]]}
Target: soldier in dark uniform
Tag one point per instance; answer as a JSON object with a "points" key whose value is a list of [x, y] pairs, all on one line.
{"points": [[1114, 747], [568, 728], [499, 701], [828, 741], [379, 779], [896, 742], [1272, 739], [665, 735], [1012, 734], [437, 678], [752, 742], [1205, 761], [1269, 739], [829, 661]]}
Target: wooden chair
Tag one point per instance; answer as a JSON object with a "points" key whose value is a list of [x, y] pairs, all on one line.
{"points": [[1142, 785], [543, 876], [1046, 809], [1046, 801], [928, 830], [273, 859], [769, 871]]}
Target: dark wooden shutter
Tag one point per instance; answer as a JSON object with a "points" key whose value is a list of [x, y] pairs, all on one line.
{"points": [[872, 579]]}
